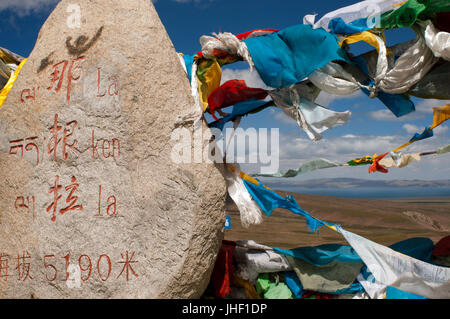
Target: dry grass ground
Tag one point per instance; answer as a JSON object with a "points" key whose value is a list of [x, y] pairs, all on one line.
{"points": [[383, 221]]}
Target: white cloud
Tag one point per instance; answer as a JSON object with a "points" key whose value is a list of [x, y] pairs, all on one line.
{"points": [[295, 149], [411, 128], [337, 149], [382, 115], [426, 106], [440, 129], [423, 109], [387, 115], [26, 7], [279, 115]]}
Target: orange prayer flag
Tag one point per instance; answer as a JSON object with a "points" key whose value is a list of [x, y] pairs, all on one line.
{"points": [[440, 115]]}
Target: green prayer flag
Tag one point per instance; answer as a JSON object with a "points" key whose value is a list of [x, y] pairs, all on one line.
{"points": [[412, 11]]}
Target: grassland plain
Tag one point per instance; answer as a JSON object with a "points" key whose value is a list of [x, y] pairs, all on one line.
{"points": [[383, 221]]}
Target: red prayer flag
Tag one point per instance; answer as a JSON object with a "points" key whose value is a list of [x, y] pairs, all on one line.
{"points": [[377, 167], [442, 247], [232, 92], [255, 33], [223, 269]]}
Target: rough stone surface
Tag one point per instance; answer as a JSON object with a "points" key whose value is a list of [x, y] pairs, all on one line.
{"points": [[128, 222]]}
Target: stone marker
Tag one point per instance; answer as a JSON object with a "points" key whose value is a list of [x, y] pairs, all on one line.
{"points": [[91, 205]]}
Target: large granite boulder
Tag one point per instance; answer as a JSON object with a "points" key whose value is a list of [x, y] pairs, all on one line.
{"points": [[91, 204]]}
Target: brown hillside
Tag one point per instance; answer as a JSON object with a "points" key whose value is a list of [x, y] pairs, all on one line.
{"points": [[383, 221]]}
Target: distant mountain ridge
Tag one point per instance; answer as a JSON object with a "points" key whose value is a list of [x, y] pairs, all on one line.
{"points": [[355, 182]]}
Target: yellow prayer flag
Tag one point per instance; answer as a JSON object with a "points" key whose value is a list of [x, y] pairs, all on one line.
{"points": [[4, 92], [364, 159], [209, 75], [440, 115], [6, 58], [365, 36]]}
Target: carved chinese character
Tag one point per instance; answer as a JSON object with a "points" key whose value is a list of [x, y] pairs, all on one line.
{"points": [[127, 265], [71, 199], [23, 267], [66, 136], [58, 74]]}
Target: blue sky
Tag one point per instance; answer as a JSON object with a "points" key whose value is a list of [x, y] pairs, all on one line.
{"points": [[371, 129]]}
